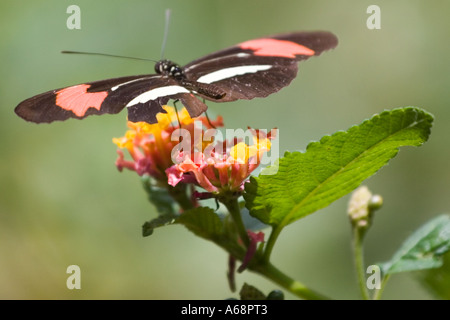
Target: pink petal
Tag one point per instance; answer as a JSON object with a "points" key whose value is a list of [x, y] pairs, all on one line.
{"points": [[174, 175]]}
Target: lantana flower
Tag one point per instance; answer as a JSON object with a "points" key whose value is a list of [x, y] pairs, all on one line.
{"points": [[219, 170], [151, 145]]}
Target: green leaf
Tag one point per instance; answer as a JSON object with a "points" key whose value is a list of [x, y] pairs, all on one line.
{"points": [[159, 197], [329, 169], [161, 221], [249, 292], [423, 249], [437, 281], [206, 223], [203, 222], [164, 204]]}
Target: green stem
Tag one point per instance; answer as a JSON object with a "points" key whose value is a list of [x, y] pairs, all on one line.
{"points": [[258, 263], [377, 294], [293, 286], [232, 204], [270, 243], [358, 253]]}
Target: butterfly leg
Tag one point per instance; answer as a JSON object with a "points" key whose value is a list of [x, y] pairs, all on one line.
{"points": [[207, 117], [176, 111]]}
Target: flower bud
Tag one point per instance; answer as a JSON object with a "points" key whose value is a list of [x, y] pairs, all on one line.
{"points": [[361, 206]]}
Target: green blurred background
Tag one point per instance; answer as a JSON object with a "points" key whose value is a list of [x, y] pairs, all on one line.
{"points": [[63, 202]]}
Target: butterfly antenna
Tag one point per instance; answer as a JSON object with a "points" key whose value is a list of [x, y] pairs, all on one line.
{"points": [[106, 55], [166, 32]]}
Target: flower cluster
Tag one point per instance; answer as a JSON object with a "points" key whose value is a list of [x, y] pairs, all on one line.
{"points": [[223, 167], [150, 145], [174, 151], [181, 153]]}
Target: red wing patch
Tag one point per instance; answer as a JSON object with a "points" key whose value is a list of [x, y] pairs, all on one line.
{"points": [[276, 48], [78, 100]]}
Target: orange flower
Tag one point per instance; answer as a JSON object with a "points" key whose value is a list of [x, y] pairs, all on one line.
{"points": [[150, 145], [220, 171]]}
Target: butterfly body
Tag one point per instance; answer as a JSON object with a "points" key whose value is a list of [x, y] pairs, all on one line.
{"points": [[255, 68]]}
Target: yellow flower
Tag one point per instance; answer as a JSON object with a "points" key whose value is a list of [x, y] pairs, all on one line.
{"points": [[221, 172], [151, 145], [126, 141]]}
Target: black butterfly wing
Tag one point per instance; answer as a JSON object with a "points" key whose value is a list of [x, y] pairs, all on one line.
{"points": [[96, 98], [259, 67]]}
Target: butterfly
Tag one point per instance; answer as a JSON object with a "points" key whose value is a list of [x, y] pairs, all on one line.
{"points": [[254, 68]]}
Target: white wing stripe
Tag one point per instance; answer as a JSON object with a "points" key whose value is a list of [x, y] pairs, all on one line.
{"points": [[231, 72], [207, 78], [122, 84], [157, 93], [218, 59]]}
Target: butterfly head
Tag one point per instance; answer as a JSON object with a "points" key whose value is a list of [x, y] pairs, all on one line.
{"points": [[168, 68]]}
